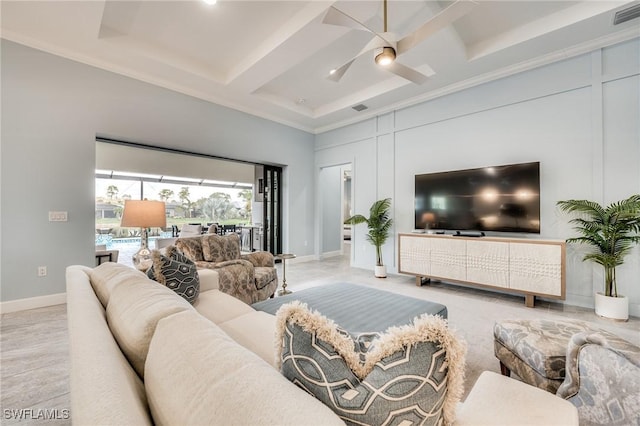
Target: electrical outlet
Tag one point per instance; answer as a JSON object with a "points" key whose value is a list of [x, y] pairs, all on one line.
{"points": [[42, 271], [57, 216]]}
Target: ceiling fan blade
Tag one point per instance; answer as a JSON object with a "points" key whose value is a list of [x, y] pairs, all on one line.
{"points": [[406, 72], [447, 16], [337, 74], [337, 17]]}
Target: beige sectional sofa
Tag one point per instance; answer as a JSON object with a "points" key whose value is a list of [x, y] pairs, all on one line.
{"points": [[140, 354]]}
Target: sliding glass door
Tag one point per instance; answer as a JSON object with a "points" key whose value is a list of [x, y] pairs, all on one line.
{"points": [[272, 241]]}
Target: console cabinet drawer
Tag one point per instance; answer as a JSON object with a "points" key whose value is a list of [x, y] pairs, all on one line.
{"points": [[488, 263]]}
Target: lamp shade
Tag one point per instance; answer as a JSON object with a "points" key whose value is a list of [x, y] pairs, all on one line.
{"points": [[144, 214]]}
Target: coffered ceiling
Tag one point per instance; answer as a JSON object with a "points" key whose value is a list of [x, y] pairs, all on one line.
{"points": [[272, 58]]}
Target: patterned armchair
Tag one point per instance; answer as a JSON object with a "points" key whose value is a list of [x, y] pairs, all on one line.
{"points": [[250, 277], [603, 379]]}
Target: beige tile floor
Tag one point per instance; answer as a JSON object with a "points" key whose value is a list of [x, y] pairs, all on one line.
{"points": [[34, 363]]}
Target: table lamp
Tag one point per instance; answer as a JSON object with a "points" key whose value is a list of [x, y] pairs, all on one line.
{"points": [[428, 219], [144, 214]]}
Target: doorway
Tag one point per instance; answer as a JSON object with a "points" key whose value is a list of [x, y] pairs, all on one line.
{"points": [[335, 193], [346, 203], [196, 188]]}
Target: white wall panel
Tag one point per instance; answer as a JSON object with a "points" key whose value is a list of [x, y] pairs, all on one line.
{"points": [[621, 127], [580, 123], [621, 60], [330, 195], [554, 78]]}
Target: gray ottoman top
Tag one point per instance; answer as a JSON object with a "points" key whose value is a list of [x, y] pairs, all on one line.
{"points": [[358, 309]]}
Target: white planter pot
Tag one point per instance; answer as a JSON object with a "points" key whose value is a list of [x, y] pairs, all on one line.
{"points": [[381, 271], [616, 308]]}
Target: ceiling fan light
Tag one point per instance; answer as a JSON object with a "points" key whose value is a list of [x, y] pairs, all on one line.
{"points": [[385, 56]]}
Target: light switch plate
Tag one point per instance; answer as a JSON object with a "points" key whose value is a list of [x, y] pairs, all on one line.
{"points": [[57, 216]]}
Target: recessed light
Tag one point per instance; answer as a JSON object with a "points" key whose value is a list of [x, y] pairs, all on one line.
{"points": [[210, 2], [333, 71], [300, 101]]}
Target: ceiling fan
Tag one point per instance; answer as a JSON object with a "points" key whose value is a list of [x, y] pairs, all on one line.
{"points": [[387, 46]]}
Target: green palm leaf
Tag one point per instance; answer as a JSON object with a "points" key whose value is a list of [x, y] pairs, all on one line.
{"points": [[379, 223], [611, 231]]}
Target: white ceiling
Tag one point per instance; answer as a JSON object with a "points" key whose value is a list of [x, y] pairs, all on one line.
{"points": [[272, 58]]}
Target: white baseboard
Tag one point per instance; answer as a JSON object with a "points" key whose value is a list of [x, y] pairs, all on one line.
{"points": [[331, 254], [300, 259], [32, 303]]}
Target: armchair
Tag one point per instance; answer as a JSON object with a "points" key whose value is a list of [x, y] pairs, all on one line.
{"points": [[250, 277], [602, 379], [190, 230]]}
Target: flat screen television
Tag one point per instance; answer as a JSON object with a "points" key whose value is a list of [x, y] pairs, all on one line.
{"points": [[499, 198]]}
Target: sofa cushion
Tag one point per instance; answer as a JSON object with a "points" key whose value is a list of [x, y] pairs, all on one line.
{"points": [[527, 405], [191, 247], [133, 312], [101, 377], [177, 272], [218, 248], [219, 307], [106, 277], [208, 279], [409, 374], [197, 375], [254, 331]]}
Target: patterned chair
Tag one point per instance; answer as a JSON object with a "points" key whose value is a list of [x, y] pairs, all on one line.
{"points": [[595, 370], [535, 349], [249, 277], [603, 379]]}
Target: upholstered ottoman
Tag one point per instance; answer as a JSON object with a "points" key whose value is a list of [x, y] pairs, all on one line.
{"points": [[358, 309], [535, 349]]}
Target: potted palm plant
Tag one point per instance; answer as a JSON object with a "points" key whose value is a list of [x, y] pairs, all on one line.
{"points": [[379, 224], [611, 231]]}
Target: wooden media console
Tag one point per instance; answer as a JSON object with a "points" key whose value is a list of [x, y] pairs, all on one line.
{"points": [[523, 266]]}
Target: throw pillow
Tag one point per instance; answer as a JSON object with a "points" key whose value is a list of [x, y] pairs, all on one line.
{"points": [[216, 248], [409, 375], [192, 247], [177, 272]]}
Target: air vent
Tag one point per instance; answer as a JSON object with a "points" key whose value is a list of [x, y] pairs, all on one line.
{"points": [[360, 107], [627, 14]]}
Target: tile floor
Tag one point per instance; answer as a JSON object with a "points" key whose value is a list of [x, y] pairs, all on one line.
{"points": [[34, 363]]}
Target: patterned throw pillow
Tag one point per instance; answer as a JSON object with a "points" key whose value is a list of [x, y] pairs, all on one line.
{"points": [[177, 272], [192, 247], [408, 375], [216, 248]]}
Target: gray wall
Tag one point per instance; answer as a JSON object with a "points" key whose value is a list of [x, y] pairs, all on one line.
{"points": [[52, 110], [579, 117]]}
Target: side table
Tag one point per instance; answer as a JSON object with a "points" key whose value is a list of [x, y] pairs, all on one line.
{"points": [[284, 257], [103, 254]]}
